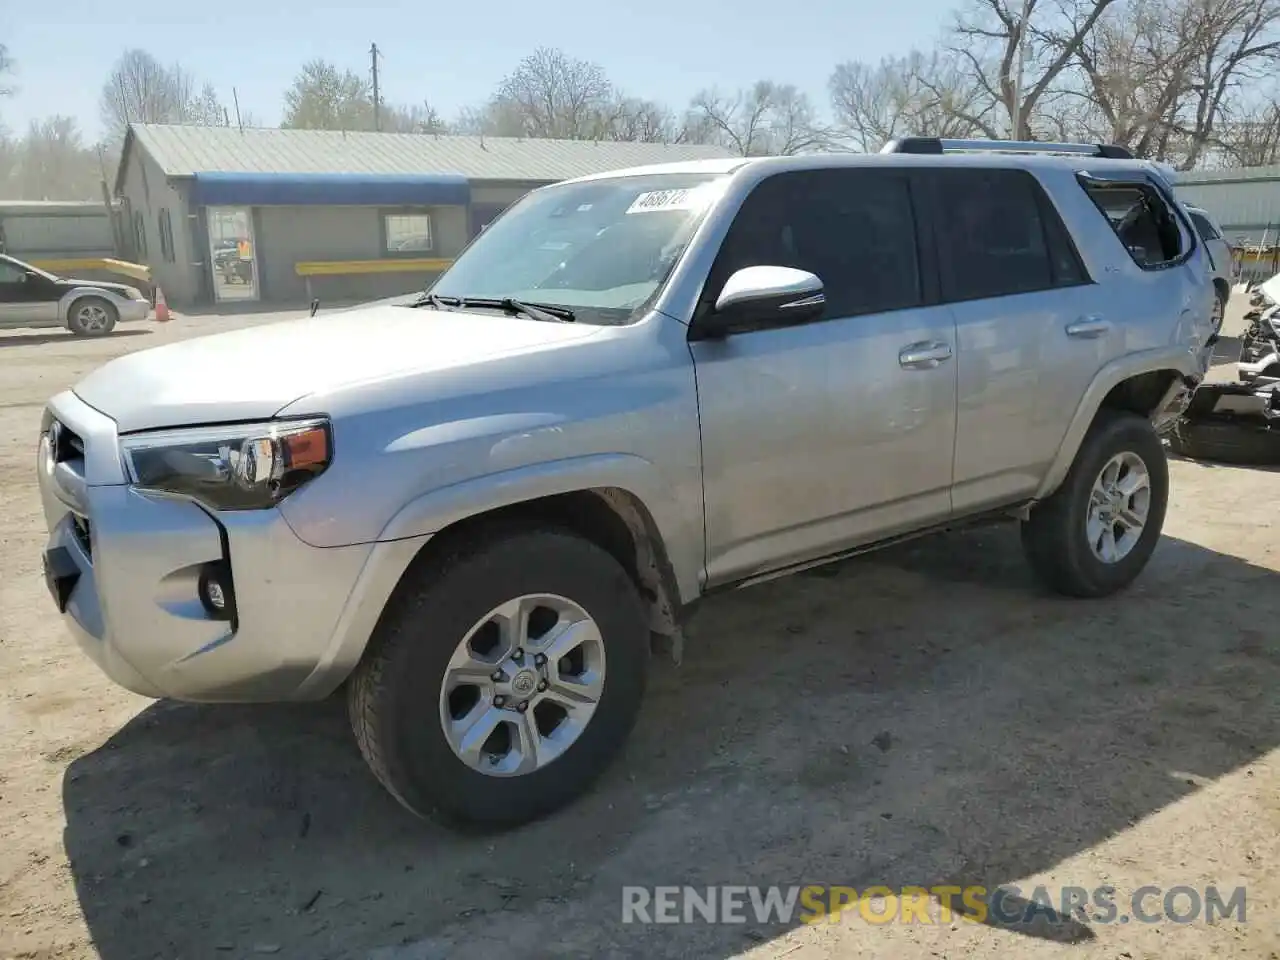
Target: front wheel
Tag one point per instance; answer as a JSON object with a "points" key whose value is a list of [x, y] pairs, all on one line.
{"points": [[503, 678], [1095, 534], [92, 317]]}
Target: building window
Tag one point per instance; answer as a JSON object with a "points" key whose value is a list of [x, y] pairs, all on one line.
{"points": [[408, 232], [166, 236], [140, 235]]}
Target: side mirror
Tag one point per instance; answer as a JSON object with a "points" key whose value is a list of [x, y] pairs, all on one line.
{"points": [[764, 296]]}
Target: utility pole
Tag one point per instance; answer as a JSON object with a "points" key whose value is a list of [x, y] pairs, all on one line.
{"points": [[1016, 112], [377, 119]]}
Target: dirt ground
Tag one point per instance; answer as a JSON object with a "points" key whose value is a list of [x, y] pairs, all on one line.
{"points": [[922, 716]]}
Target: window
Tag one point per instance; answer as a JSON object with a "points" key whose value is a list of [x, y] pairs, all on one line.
{"points": [[1141, 219], [998, 235], [10, 273], [854, 229], [602, 248], [1204, 226], [166, 236], [140, 234], [408, 232]]}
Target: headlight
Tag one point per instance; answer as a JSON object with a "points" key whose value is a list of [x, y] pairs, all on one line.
{"points": [[242, 467], [133, 293]]}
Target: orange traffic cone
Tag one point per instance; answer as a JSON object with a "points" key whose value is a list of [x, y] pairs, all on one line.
{"points": [[162, 307]]}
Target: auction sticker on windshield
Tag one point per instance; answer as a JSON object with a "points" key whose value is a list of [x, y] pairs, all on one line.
{"points": [[655, 201]]}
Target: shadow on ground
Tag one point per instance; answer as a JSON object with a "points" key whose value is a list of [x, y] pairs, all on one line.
{"points": [[921, 716], [63, 336]]}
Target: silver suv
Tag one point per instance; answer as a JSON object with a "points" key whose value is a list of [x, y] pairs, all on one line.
{"points": [[478, 509]]}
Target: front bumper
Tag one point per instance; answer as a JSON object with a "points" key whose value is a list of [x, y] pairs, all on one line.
{"points": [[128, 566], [133, 310]]}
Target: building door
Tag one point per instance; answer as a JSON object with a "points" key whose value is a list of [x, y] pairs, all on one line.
{"points": [[232, 254], [483, 214]]}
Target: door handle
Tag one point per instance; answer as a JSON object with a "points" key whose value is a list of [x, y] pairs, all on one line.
{"points": [[924, 355], [1088, 327]]}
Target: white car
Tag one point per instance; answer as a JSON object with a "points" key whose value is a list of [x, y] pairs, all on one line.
{"points": [[31, 297], [1221, 255]]}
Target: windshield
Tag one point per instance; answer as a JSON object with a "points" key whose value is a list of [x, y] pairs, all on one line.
{"points": [[601, 248]]}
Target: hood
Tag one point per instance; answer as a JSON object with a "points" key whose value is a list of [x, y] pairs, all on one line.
{"points": [[252, 374], [70, 282]]}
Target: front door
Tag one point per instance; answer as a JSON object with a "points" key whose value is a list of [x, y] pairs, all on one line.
{"points": [[232, 253], [829, 434], [25, 298]]}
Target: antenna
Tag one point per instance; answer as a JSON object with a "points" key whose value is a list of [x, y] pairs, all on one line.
{"points": [[235, 98]]}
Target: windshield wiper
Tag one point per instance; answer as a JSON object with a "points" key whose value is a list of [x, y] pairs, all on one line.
{"points": [[440, 303], [535, 311]]}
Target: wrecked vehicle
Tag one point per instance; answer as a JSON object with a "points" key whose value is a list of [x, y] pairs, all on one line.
{"points": [[477, 509]]}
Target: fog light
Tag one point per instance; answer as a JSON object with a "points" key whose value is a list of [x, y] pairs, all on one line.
{"points": [[215, 592]]}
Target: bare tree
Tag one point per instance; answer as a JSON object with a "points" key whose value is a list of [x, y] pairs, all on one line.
{"points": [[417, 118], [767, 119], [323, 97], [6, 70], [550, 94], [1135, 74], [53, 163], [919, 94], [141, 89], [1237, 46], [8, 164], [1251, 138], [645, 121], [1015, 50]]}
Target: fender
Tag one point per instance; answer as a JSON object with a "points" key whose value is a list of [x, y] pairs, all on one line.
{"points": [[678, 522], [1184, 361], [75, 293]]}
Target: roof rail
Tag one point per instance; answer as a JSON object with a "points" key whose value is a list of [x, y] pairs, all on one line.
{"points": [[936, 145]]}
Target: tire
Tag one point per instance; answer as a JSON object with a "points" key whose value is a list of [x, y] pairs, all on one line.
{"points": [[1219, 311], [92, 317], [1226, 440], [1056, 538], [396, 699]]}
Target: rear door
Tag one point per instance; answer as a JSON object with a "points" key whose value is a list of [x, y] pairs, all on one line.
{"points": [[1032, 329]]}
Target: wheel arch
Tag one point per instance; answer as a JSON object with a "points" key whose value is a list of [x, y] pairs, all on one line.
{"points": [[1153, 384], [69, 299], [613, 518]]}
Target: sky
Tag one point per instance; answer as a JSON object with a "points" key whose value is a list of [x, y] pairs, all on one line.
{"points": [[452, 55]]}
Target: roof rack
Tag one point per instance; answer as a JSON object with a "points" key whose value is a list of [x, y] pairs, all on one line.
{"points": [[936, 145]]}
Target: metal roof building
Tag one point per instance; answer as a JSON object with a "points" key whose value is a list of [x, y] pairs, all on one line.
{"points": [[1244, 201], [223, 214]]}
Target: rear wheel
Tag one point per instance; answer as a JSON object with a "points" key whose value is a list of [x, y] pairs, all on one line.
{"points": [[503, 678], [92, 317], [1095, 534]]}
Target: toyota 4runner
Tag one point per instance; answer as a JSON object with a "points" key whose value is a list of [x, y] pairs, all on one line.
{"points": [[477, 510]]}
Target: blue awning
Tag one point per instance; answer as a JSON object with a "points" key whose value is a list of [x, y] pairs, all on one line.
{"points": [[330, 189]]}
